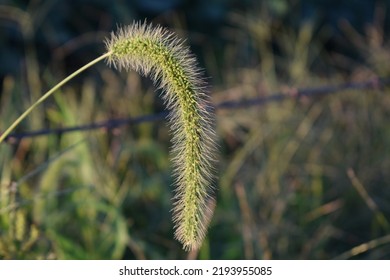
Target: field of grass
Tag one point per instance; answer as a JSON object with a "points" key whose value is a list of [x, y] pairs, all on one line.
{"points": [[303, 178]]}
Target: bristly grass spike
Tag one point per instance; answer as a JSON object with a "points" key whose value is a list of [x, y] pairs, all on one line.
{"points": [[157, 52]]}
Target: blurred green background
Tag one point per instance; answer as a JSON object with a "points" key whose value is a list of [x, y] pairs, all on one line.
{"points": [[304, 178]]}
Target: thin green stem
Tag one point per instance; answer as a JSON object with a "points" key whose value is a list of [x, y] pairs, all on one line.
{"points": [[50, 92]]}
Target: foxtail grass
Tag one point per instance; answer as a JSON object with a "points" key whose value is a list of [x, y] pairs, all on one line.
{"points": [[158, 53]]}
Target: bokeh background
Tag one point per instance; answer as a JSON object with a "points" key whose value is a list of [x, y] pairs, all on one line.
{"points": [[298, 178]]}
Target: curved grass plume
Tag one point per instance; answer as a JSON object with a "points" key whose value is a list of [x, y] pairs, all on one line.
{"points": [[158, 53]]}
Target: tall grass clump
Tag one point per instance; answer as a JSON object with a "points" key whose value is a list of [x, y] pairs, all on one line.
{"points": [[158, 53]]}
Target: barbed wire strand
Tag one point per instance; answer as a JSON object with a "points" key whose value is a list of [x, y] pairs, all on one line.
{"points": [[376, 83]]}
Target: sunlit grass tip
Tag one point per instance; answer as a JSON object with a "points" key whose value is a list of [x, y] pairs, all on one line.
{"points": [[157, 52]]}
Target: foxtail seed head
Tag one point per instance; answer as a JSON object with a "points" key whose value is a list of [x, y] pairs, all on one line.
{"points": [[157, 52]]}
